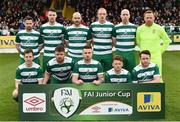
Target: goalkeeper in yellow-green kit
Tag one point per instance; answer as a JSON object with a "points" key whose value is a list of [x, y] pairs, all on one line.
{"points": [[151, 36]]}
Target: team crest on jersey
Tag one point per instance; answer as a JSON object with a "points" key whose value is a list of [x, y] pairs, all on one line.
{"points": [[101, 32], [66, 100], [77, 34], [51, 33], [125, 32]]}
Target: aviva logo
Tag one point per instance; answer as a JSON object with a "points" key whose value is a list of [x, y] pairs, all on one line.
{"points": [[149, 102]]}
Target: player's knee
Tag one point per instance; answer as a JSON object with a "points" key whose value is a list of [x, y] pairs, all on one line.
{"points": [[15, 93]]}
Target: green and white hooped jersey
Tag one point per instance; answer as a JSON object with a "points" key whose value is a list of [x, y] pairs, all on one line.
{"points": [[31, 40], [77, 38], [142, 74], [102, 37], [61, 71], [123, 77], [125, 36], [52, 36], [88, 72], [29, 75]]}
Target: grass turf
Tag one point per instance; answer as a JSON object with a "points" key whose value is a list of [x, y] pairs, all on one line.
{"points": [[171, 76]]}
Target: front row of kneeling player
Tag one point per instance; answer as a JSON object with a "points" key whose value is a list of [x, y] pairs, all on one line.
{"points": [[62, 69]]}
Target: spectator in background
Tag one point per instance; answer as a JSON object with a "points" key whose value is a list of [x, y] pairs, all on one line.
{"points": [[21, 25], [13, 10], [5, 29], [137, 7]]}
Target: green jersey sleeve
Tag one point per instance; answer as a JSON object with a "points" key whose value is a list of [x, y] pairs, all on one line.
{"points": [[129, 79], [17, 40], [75, 69], [63, 30], [48, 68], [66, 34], [114, 32], [134, 76], [107, 78], [40, 74], [40, 41], [91, 30], [18, 75], [156, 73], [89, 36], [100, 69], [41, 33], [72, 64]]}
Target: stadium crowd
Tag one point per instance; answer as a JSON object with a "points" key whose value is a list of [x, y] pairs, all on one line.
{"points": [[12, 12], [167, 11]]}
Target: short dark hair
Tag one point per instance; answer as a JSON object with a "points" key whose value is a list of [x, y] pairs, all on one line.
{"points": [[87, 47], [60, 48], [118, 57], [147, 52], [51, 10], [28, 18], [148, 12], [28, 50]]}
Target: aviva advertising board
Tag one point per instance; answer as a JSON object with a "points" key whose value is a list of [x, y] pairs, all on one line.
{"points": [[7, 41], [90, 102], [149, 102]]}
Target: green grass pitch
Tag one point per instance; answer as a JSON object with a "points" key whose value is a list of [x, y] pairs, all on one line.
{"points": [[171, 77]]}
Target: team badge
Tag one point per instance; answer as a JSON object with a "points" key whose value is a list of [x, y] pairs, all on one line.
{"points": [[66, 100]]}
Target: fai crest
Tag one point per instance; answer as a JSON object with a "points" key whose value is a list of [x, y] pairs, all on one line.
{"points": [[66, 100]]}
